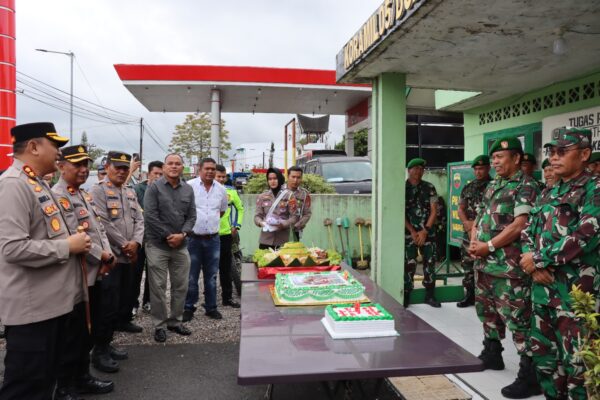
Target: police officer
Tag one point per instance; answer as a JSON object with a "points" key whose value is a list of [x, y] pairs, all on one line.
{"points": [[41, 278], [421, 207], [470, 198], [120, 213], [302, 196], [560, 249], [502, 289], [79, 210]]}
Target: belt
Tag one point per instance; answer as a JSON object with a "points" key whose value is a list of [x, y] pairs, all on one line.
{"points": [[203, 237]]}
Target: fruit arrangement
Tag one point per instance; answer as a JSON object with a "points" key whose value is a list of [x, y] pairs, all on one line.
{"points": [[296, 254]]}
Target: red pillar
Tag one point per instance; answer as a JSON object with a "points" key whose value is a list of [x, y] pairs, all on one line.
{"points": [[8, 79]]}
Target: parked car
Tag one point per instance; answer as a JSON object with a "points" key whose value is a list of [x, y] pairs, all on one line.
{"points": [[348, 175]]}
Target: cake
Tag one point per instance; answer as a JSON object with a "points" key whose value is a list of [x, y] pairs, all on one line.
{"points": [[349, 321], [315, 288]]}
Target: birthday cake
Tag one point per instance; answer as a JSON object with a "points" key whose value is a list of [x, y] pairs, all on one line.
{"points": [[349, 321], [316, 288]]}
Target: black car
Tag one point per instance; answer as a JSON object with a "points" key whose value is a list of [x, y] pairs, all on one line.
{"points": [[348, 175]]}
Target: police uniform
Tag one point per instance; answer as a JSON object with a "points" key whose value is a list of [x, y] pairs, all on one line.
{"points": [[470, 199], [418, 209], [122, 219], [563, 236], [40, 282], [502, 289], [304, 212], [284, 210], [79, 210]]}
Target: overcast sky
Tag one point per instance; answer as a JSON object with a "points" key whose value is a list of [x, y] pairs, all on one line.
{"points": [[101, 33]]}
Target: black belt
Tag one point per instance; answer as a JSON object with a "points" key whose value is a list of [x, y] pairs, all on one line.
{"points": [[203, 237]]}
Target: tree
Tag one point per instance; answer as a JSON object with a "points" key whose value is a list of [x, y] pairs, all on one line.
{"points": [[192, 137], [361, 143], [94, 151], [271, 153]]}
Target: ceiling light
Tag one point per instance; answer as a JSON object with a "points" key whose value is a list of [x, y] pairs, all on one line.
{"points": [[559, 47]]}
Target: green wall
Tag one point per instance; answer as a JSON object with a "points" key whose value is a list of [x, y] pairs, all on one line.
{"points": [[474, 131]]}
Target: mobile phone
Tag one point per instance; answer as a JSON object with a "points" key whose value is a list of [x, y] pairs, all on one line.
{"points": [[136, 157]]}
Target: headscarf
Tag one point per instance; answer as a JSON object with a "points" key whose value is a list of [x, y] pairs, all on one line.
{"points": [[280, 180]]}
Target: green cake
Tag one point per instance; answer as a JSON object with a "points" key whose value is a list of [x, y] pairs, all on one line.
{"points": [[318, 288]]}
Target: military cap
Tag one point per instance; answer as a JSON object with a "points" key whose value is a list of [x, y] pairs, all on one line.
{"points": [[74, 154], [21, 133], [545, 163], [567, 136], [415, 162], [529, 157], [506, 143], [480, 160], [119, 159], [595, 157]]}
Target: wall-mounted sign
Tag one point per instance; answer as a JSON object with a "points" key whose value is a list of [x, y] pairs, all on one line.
{"points": [[588, 118], [388, 17]]}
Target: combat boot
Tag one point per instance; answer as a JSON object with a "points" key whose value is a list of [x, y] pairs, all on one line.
{"points": [[430, 297], [526, 384], [491, 355], [102, 361], [468, 300]]}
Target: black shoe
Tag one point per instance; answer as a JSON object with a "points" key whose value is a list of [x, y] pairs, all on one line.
{"points": [[129, 327], [214, 314], [430, 298], [491, 355], [160, 335], [180, 330], [468, 300], [231, 303], [526, 384], [88, 384], [117, 353], [102, 361], [188, 315], [67, 393]]}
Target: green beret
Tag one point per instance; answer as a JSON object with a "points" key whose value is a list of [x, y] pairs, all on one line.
{"points": [[566, 136], [415, 162], [595, 157], [545, 163], [506, 143], [480, 160], [529, 157]]}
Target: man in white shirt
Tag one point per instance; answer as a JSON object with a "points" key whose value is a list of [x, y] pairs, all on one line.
{"points": [[204, 244]]}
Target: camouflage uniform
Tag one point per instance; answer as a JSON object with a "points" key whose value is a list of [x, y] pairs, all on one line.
{"points": [[564, 235], [502, 292], [470, 198], [418, 207]]}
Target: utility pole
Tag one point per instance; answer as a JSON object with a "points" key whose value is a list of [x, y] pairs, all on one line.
{"points": [[263, 164], [141, 145]]}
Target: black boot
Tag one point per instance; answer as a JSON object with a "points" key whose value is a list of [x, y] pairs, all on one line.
{"points": [[102, 361], [65, 393], [88, 383], [406, 298], [526, 384], [491, 355], [430, 297], [468, 300]]}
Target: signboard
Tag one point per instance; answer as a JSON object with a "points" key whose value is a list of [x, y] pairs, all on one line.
{"points": [[459, 174], [588, 118]]}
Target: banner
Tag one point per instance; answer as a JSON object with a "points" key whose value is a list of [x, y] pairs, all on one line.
{"points": [[588, 118], [459, 175]]}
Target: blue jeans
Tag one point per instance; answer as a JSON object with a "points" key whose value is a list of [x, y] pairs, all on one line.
{"points": [[204, 253]]}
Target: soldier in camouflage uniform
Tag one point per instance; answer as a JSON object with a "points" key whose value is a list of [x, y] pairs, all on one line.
{"points": [[421, 207], [594, 163], [470, 198], [528, 165], [560, 249], [502, 292], [549, 180]]}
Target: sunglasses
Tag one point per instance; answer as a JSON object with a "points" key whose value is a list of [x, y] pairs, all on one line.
{"points": [[560, 151]]}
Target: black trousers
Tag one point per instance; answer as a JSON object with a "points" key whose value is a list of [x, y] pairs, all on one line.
{"points": [[126, 295], [110, 306], [37, 355], [76, 354], [225, 275], [138, 273]]}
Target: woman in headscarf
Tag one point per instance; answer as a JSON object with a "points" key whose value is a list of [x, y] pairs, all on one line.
{"points": [[275, 212]]}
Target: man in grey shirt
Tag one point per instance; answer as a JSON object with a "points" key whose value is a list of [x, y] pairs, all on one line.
{"points": [[169, 215]]}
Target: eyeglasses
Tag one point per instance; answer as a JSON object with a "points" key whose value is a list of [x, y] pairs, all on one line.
{"points": [[560, 151]]}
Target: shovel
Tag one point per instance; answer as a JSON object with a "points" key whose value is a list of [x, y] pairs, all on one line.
{"points": [[338, 222], [328, 222], [362, 264], [346, 224]]}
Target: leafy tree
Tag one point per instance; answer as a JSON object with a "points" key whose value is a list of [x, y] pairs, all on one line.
{"points": [[311, 182], [192, 137], [94, 151], [361, 143]]}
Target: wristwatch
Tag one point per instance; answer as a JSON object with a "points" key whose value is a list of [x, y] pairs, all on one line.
{"points": [[491, 247]]}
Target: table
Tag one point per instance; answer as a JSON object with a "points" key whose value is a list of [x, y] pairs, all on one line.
{"points": [[249, 274], [289, 344]]}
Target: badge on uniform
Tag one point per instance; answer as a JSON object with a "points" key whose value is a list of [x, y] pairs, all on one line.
{"points": [[85, 225], [31, 181], [113, 204], [37, 189], [111, 193], [71, 190], [83, 213], [64, 203], [48, 210], [114, 212], [108, 184], [55, 224]]}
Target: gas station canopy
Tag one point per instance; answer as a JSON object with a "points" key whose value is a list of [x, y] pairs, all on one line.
{"points": [[187, 88]]}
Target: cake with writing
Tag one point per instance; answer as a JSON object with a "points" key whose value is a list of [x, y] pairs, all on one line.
{"points": [[349, 321], [316, 288]]}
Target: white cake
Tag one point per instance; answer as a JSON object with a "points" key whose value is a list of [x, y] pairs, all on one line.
{"points": [[349, 321]]}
